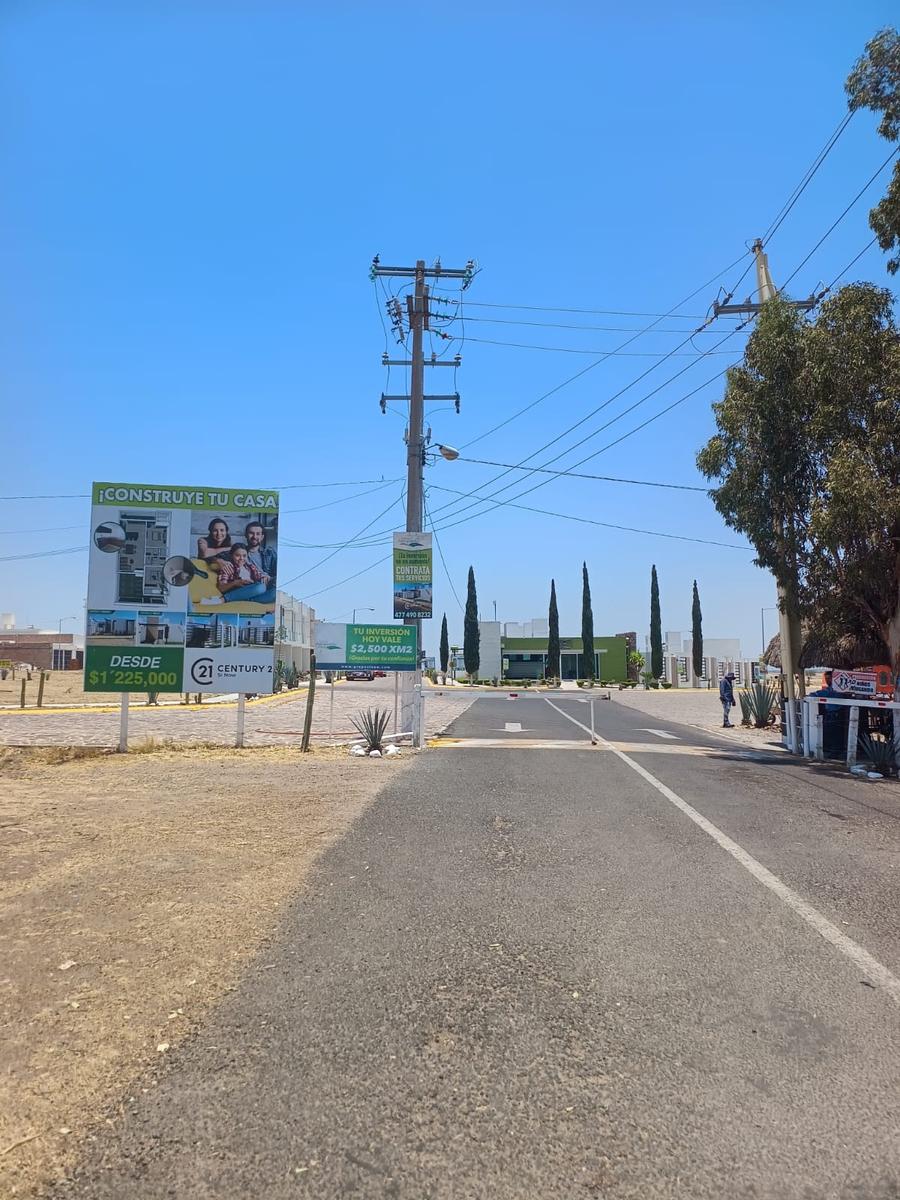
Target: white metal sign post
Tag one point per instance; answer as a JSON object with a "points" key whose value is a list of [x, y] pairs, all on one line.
{"points": [[239, 738], [123, 722]]}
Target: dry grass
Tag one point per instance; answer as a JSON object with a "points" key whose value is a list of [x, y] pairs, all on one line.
{"points": [[117, 930]]}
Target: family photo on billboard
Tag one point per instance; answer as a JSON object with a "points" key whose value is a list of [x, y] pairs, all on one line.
{"points": [[235, 558]]}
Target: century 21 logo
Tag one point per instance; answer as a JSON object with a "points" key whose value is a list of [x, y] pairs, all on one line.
{"points": [[202, 671]]}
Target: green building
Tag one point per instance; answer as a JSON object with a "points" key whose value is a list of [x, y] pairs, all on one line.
{"points": [[526, 658]]}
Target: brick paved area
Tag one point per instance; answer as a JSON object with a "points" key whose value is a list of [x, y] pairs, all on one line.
{"points": [[275, 722]]}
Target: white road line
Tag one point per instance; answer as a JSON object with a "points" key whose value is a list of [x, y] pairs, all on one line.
{"points": [[861, 958], [513, 726], [660, 733]]}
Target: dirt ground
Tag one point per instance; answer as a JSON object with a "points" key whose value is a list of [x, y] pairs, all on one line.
{"points": [[134, 890]]}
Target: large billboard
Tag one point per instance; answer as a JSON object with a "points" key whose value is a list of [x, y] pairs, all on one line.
{"points": [[181, 589], [365, 647], [413, 581]]}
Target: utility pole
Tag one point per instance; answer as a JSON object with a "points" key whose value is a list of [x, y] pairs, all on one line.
{"points": [[418, 316], [788, 617]]}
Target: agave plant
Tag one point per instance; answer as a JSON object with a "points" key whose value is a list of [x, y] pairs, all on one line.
{"points": [[882, 753], [746, 712], [371, 724], [761, 702]]}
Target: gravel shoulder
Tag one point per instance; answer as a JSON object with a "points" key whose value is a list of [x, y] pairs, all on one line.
{"points": [[698, 708], [133, 892]]}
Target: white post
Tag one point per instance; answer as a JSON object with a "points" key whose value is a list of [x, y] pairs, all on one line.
{"points": [[331, 709], [417, 712], [396, 697], [852, 735], [593, 735], [239, 736], [820, 732], [123, 723]]}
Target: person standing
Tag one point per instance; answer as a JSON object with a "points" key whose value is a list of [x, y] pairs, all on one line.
{"points": [[726, 695]]}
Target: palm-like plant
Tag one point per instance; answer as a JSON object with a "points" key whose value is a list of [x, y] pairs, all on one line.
{"points": [[882, 753], [761, 701], [371, 724]]}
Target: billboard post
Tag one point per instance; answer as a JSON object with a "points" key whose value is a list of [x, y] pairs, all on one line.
{"points": [[181, 589]]}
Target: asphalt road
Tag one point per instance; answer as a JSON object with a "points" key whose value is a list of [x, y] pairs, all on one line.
{"points": [[660, 967]]}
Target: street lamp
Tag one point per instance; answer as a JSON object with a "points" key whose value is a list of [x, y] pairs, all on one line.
{"points": [[447, 452], [356, 610], [61, 619]]}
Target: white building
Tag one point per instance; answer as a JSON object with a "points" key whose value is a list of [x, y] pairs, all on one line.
{"points": [[294, 638], [537, 627]]}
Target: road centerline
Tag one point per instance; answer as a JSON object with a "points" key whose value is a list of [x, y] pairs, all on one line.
{"points": [[851, 950]]}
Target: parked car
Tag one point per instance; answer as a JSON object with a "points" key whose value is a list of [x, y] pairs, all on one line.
{"points": [[365, 675], [380, 674]]}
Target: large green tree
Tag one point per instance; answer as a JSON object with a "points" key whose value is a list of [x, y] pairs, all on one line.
{"points": [[445, 646], [807, 462], [471, 632], [874, 83], [761, 455], [552, 671], [696, 633], [656, 654], [588, 663]]}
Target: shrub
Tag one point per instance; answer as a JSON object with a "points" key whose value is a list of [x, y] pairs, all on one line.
{"points": [[371, 724], [664, 683], [883, 754], [762, 703]]}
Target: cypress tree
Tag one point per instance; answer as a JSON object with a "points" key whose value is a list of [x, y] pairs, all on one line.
{"points": [[552, 671], [471, 632], [656, 653], [697, 634], [445, 646], [587, 626]]}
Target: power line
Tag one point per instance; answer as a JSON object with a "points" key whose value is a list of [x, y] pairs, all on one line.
{"points": [[684, 487], [350, 578], [587, 458], [623, 437], [834, 224], [284, 487], [601, 428], [595, 312], [778, 221], [327, 557], [606, 353], [59, 496], [342, 500], [807, 177], [47, 529], [679, 537], [441, 553], [584, 370], [851, 263], [563, 325], [43, 554]]}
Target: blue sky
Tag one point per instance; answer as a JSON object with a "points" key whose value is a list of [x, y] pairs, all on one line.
{"points": [[193, 194]]}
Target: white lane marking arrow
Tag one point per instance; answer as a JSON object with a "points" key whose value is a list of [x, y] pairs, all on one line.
{"points": [[513, 726], [661, 733]]}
